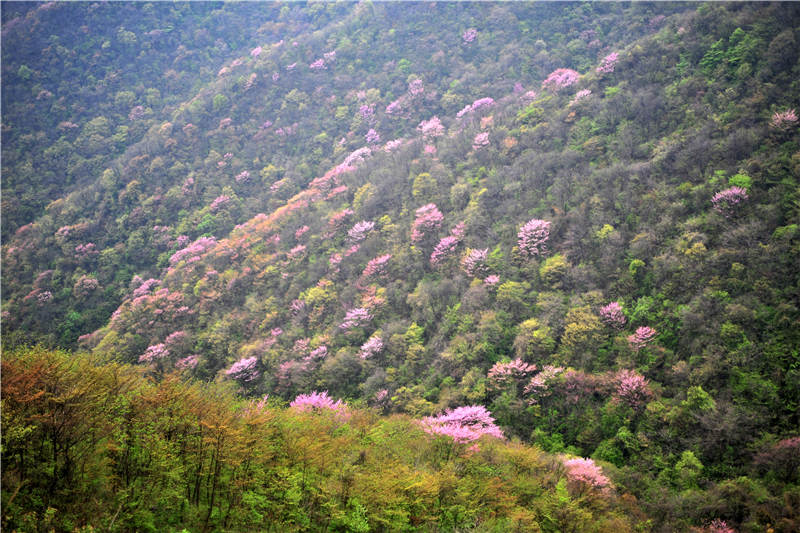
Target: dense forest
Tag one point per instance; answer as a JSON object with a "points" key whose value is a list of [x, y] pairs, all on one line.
{"points": [[401, 266]]}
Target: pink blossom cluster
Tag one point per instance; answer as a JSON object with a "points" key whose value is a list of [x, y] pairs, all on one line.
{"points": [[642, 337], [355, 318], [372, 137], [319, 401], [632, 388], [586, 472], [580, 95], [612, 315], [445, 247], [219, 202], [320, 352], [463, 424], [428, 218], [416, 87], [532, 237], [538, 385], [370, 348], [394, 107], [245, 369], [299, 232], [330, 56], [44, 297], [560, 79], [719, 526], [338, 218], [502, 373], [475, 106], [356, 157], [480, 140], [474, 262], [296, 252], [391, 146], [431, 128], [491, 280], [334, 261], [242, 177], [85, 286], [319, 64], [377, 266], [469, 35], [85, 250], [784, 120], [366, 111], [136, 113], [725, 202], [360, 231], [154, 353], [198, 247], [176, 339], [255, 52], [187, 362], [609, 63]]}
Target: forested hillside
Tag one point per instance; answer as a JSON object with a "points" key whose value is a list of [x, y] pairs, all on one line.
{"points": [[580, 218]]}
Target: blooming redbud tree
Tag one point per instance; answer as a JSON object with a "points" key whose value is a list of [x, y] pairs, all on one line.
{"points": [[533, 236], [431, 128], [784, 120], [428, 218], [370, 348], [319, 402], [503, 373], [726, 202], [469, 35], [474, 262], [632, 388], [642, 337], [560, 79], [360, 231], [463, 424], [584, 472], [244, 370], [609, 63], [355, 318], [377, 266], [612, 315], [445, 248], [480, 140], [154, 353]]}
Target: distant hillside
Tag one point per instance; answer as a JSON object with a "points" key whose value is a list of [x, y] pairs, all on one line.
{"points": [[584, 217]]}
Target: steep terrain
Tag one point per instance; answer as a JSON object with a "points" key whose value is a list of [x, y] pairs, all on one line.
{"points": [[583, 217]]}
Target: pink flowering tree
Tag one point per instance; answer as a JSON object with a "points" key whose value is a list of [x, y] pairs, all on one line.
{"points": [[319, 402], [560, 79], [469, 35], [474, 262], [632, 388], [463, 424], [446, 248], [612, 315], [355, 318], [480, 140], [502, 374], [244, 370], [533, 236], [376, 267], [431, 128], [783, 120], [372, 347], [728, 201], [608, 64], [428, 219], [643, 336], [360, 231], [154, 353], [583, 474]]}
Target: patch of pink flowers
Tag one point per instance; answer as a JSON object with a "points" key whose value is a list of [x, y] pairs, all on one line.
{"points": [[586, 472], [463, 424], [612, 315], [560, 79], [609, 63], [643, 336], [532, 237], [319, 401]]}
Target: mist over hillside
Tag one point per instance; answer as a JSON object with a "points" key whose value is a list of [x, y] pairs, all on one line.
{"points": [[561, 231]]}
